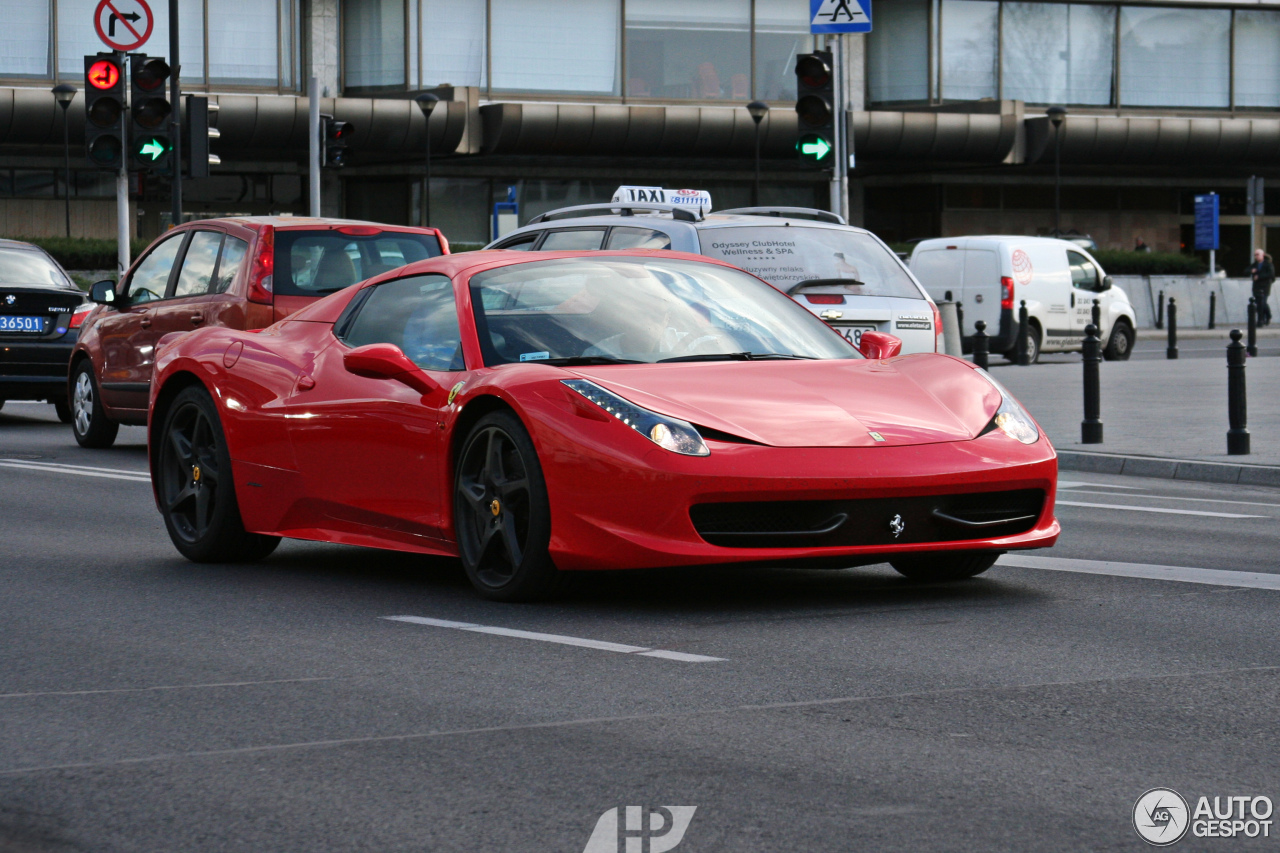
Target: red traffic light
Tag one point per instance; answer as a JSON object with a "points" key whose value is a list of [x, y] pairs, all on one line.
{"points": [[103, 74], [813, 71], [150, 73]]}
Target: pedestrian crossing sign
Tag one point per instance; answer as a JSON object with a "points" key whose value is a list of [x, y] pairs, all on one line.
{"points": [[839, 16]]}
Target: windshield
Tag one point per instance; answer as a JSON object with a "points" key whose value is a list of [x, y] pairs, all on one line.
{"points": [[29, 268], [785, 255], [640, 310], [313, 263]]}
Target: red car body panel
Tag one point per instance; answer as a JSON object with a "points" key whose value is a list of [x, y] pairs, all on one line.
{"points": [[322, 453]]}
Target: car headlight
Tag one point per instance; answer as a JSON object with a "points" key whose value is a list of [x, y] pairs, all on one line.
{"points": [[669, 433], [1011, 418]]}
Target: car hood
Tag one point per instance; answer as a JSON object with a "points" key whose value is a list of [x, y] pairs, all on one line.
{"points": [[914, 399]]}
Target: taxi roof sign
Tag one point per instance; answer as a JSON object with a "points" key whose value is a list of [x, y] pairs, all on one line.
{"points": [[699, 200]]}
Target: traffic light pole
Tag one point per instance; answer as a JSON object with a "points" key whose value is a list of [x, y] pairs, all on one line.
{"points": [[840, 168], [313, 148], [122, 183], [175, 98]]}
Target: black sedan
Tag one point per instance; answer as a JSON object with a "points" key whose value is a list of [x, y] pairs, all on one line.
{"points": [[40, 314]]}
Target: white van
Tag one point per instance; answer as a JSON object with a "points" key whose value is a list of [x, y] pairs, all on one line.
{"points": [[991, 276]]}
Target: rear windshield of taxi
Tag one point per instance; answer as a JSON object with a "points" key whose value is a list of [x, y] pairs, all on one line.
{"points": [[786, 255], [315, 263]]}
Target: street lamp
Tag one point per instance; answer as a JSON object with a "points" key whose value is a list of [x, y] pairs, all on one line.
{"points": [[64, 94], [1057, 115], [758, 110], [427, 102]]}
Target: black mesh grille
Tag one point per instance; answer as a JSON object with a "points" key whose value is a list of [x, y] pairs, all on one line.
{"points": [[868, 521]]}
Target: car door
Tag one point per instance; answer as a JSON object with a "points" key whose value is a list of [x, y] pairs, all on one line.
{"points": [[128, 333], [371, 449], [1086, 281], [186, 307]]}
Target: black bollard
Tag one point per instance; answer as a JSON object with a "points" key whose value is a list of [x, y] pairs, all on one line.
{"points": [[980, 344], [1095, 314], [1160, 310], [1024, 331], [1172, 350], [1091, 426], [1213, 308], [1237, 410], [1252, 349]]}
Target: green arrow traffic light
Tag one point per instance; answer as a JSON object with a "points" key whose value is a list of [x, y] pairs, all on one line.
{"points": [[815, 147], [153, 149]]}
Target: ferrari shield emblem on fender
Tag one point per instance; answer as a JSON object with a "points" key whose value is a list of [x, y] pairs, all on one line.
{"points": [[453, 392], [877, 436], [896, 526]]}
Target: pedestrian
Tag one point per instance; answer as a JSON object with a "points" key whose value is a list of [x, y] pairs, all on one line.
{"points": [[1140, 245], [1264, 273]]}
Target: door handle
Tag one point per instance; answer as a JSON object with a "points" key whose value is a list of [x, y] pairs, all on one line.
{"points": [[197, 318], [1073, 300], [305, 383], [146, 322]]}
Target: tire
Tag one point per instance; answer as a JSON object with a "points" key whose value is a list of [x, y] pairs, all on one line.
{"points": [[89, 422], [1033, 344], [1120, 344], [945, 565], [63, 408], [501, 513], [196, 489]]}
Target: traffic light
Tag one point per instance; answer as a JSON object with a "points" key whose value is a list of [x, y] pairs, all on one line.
{"points": [[196, 136], [150, 109], [815, 110], [104, 110], [334, 137]]}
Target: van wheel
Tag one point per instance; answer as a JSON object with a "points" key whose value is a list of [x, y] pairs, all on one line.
{"points": [[1033, 345], [1120, 344]]}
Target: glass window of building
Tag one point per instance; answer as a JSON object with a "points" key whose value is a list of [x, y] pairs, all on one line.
{"points": [[24, 41], [1058, 53], [568, 46], [76, 36], [898, 52], [373, 43], [689, 49], [1257, 58], [1175, 57], [244, 41], [453, 42], [970, 29], [782, 32]]}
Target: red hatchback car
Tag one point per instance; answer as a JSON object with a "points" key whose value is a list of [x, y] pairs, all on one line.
{"points": [[239, 273]]}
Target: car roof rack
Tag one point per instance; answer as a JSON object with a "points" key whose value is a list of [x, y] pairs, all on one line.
{"points": [[627, 209], [806, 212]]}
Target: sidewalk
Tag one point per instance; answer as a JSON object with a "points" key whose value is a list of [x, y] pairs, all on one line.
{"points": [[1172, 410], [1221, 333]]}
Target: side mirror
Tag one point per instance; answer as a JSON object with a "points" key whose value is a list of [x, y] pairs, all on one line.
{"points": [[387, 361], [1106, 283], [103, 292], [877, 345]]}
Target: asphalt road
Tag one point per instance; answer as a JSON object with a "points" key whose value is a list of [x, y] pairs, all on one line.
{"points": [[149, 704]]}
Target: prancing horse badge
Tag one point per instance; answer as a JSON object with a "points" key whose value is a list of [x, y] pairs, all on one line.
{"points": [[896, 526]]}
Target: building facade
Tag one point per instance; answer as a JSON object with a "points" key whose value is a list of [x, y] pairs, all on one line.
{"points": [[563, 100]]}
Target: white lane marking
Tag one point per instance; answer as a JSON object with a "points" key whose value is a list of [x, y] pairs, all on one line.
{"points": [[1073, 484], [643, 651], [42, 464], [132, 477], [1215, 577], [1172, 498], [1159, 509]]}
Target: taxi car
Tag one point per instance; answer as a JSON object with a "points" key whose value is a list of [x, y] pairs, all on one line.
{"points": [[243, 272], [536, 413], [845, 275], [41, 310]]}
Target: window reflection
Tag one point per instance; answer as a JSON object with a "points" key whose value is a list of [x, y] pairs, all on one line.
{"points": [[689, 49]]}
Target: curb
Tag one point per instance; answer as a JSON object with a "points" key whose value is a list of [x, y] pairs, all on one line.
{"points": [[1169, 469]]}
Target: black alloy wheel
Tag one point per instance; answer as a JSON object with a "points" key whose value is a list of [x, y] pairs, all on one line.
{"points": [[89, 421], [194, 482], [945, 565], [501, 515]]}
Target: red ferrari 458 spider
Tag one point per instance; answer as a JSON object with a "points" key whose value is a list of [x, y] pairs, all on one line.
{"points": [[538, 413]]}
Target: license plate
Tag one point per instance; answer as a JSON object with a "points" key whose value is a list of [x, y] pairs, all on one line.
{"points": [[853, 334], [22, 325]]}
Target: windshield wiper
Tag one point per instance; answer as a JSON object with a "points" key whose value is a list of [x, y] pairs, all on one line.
{"points": [[733, 356], [572, 360]]}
